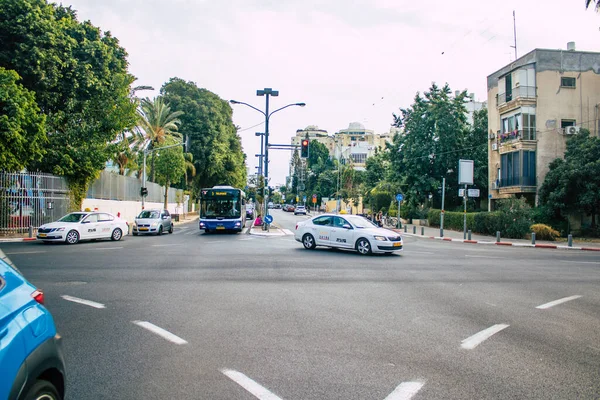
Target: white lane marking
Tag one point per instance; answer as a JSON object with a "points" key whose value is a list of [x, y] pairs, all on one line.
{"points": [[160, 332], [559, 301], [167, 245], [579, 262], [106, 248], [250, 385], [245, 239], [217, 241], [83, 301], [26, 252], [191, 232], [498, 258], [287, 232], [405, 391], [473, 341]]}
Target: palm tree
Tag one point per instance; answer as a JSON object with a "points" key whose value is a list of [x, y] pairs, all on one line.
{"points": [[159, 123], [190, 169]]}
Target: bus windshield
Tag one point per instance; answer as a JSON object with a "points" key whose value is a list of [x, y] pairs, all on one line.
{"points": [[221, 204]]}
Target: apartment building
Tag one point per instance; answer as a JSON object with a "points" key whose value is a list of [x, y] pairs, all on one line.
{"points": [[535, 104]]}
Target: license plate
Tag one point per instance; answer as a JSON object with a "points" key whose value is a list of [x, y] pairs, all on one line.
{"points": [[42, 235], [143, 229], [398, 244], [220, 227]]}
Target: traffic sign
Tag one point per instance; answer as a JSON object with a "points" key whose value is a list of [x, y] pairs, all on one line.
{"points": [[304, 199], [399, 197], [268, 218], [473, 192]]}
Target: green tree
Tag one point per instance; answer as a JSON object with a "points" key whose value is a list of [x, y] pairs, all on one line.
{"points": [[81, 83], [477, 139], [596, 4], [572, 184], [214, 142], [170, 166], [159, 124], [435, 136], [22, 126]]}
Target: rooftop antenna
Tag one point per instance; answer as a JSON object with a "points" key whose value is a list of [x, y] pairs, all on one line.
{"points": [[515, 34]]}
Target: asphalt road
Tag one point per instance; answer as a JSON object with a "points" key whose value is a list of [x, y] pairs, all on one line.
{"points": [[196, 316]]}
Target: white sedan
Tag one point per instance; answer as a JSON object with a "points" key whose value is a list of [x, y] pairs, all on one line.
{"points": [[83, 226], [347, 232]]}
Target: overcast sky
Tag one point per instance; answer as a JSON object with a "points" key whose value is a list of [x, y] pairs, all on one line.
{"points": [[348, 60]]}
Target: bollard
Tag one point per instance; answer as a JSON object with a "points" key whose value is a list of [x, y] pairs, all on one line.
{"points": [[404, 228], [414, 229], [498, 236], [422, 230], [532, 237], [570, 242], [469, 234], [441, 232], [30, 231]]}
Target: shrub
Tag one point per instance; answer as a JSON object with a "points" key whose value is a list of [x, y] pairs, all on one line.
{"points": [[544, 232], [515, 217]]}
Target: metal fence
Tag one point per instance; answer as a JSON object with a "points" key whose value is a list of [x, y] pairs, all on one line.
{"points": [[31, 199], [111, 186]]}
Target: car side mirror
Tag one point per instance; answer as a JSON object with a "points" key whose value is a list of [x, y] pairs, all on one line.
{"points": [[347, 226], [85, 222]]}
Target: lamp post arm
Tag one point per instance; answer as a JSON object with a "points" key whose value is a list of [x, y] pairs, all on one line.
{"points": [[249, 105], [279, 109]]}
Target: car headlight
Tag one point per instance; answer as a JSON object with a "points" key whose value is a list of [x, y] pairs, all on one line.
{"points": [[382, 238], [60, 229], [154, 224]]}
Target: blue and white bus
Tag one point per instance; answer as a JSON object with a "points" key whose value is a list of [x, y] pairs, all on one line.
{"points": [[222, 208]]}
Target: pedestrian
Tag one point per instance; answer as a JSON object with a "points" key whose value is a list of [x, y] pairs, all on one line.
{"points": [[380, 219], [258, 221]]}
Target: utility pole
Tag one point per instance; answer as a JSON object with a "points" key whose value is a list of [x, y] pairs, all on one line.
{"points": [[515, 33], [443, 211]]}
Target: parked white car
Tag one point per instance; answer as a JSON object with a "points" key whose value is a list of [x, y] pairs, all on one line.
{"points": [[83, 226], [347, 232]]}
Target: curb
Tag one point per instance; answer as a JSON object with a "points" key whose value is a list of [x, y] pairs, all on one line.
{"points": [[16, 240], [539, 246]]}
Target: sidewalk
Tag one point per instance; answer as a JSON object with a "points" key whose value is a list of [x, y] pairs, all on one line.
{"points": [[456, 236]]}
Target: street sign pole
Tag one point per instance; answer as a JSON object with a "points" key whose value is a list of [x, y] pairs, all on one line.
{"points": [[465, 215], [398, 222], [442, 214]]}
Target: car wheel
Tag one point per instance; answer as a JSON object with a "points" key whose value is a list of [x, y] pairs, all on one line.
{"points": [[363, 246], [308, 241], [116, 235], [160, 230], [72, 237], [42, 390], [171, 229]]}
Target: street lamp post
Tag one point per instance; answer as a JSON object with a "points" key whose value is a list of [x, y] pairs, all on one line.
{"points": [[267, 92]]}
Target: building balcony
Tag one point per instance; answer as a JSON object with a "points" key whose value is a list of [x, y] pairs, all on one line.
{"points": [[516, 185], [517, 134], [519, 96]]}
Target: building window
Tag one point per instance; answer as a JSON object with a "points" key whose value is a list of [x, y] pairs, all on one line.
{"points": [[567, 82], [567, 122], [517, 169], [508, 87], [359, 158]]}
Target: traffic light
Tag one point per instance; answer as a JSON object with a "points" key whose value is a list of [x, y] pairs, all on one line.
{"points": [[143, 191], [304, 148]]}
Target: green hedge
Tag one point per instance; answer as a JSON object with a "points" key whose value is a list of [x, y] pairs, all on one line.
{"points": [[486, 223]]}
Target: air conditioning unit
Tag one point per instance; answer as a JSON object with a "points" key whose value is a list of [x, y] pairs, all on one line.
{"points": [[492, 135], [572, 130], [494, 146], [495, 185]]}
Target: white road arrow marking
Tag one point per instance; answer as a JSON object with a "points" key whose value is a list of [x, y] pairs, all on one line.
{"points": [[250, 385], [405, 391]]}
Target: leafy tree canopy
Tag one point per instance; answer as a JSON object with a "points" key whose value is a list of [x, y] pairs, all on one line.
{"points": [[214, 142], [170, 165], [22, 126], [80, 80]]}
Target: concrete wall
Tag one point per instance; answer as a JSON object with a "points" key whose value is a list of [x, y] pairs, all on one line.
{"points": [[127, 209]]}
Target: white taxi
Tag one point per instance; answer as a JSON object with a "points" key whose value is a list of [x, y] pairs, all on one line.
{"points": [[347, 232], [83, 226]]}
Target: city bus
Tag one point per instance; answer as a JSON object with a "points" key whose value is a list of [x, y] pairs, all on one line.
{"points": [[222, 208]]}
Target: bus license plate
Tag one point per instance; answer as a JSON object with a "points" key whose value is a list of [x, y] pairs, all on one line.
{"points": [[220, 227]]}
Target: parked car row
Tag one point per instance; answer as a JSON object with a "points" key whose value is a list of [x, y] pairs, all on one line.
{"points": [[289, 207], [92, 225]]}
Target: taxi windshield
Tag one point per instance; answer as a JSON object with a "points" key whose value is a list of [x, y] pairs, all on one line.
{"points": [[73, 217], [360, 222]]}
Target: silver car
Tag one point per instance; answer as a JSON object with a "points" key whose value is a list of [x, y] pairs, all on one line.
{"points": [[153, 221]]}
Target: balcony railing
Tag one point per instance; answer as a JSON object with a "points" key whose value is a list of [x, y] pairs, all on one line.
{"points": [[526, 92], [518, 134], [517, 181]]}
